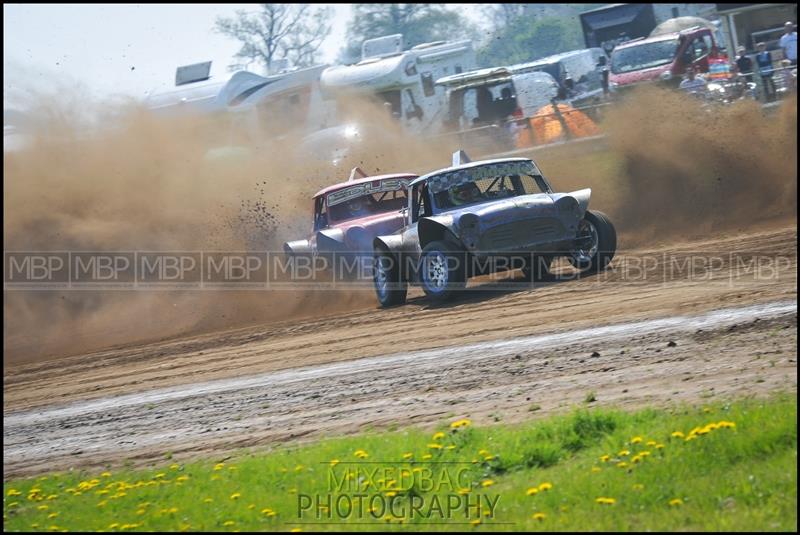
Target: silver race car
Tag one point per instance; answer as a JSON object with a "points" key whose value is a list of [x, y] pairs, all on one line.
{"points": [[475, 218]]}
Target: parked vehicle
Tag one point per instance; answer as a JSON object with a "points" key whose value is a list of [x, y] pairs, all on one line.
{"points": [[663, 58], [481, 217], [578, 73], [402, 79]]}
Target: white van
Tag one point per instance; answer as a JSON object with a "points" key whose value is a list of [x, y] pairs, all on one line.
{"points": [[494, 95]]}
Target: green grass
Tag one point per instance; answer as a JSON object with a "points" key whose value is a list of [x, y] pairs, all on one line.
{"points": [[729, 478]]}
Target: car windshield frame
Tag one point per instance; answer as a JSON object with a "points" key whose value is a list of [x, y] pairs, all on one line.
{"points": [[367, 191], [651, 48], [457, 177]]}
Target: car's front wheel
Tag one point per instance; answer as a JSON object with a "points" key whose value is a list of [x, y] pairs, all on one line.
{"points": [[442, 270], [390, 288], [595, 243]]}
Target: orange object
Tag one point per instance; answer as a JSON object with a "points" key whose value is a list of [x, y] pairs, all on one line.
{"points": [[547, 127]]}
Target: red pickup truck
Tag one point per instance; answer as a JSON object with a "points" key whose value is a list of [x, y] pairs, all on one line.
{"points": [[663, 58]]}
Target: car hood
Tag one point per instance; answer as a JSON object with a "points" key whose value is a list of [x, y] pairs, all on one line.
{"points": [[499, 212], [643, 75]]}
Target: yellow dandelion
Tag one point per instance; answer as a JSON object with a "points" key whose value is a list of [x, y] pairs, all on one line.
{"points": [[624, 453], [605, 458], [391, 494], [159, 475], [236, 496], [531, 491], [174, 466], [361, 454], [675, 502], [105, 474], [296, 530], [438, 436], [52, 515], [488, 458], [623, 464], [427, 456], [636, 459], [463, 491], [102, 504], [334, 462], [115, 525], [43, 507], [465, 422], [298, 468], [487, 483], [408, 455], [545, 486], [677, 434], [228, 523], [219, 466], [659, 446], [596, 469], [435, 446], [483, 452], [172, 510], [13, 492], [451, 447], [476, 522], [651, 443], [636, 440], [538, 516]]}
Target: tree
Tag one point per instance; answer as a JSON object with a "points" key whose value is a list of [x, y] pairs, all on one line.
{"points": [[528, 38], [419, 23], [525, 32], [277, 31]]}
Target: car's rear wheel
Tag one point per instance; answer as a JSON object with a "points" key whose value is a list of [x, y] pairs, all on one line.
{"points": [[442, 270], [595, 243], [390, 288]]}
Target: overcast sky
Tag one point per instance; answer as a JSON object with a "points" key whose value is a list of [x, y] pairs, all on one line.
{"points": [[125, 49]]}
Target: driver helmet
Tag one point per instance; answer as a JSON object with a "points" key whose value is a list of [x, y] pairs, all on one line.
{"points": [[463, 194], [356, 206]]}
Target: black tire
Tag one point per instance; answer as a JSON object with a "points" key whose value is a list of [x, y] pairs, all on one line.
{"points": [[390, 288], [450, 270], [537, 269], [606, 244]]}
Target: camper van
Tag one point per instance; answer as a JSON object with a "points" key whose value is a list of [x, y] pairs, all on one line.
{"points": [[403, 81]]}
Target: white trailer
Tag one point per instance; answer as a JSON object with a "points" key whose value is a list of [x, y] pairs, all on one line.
{"points": [[259, 105]]}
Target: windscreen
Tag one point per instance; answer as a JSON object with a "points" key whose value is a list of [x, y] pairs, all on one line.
{"points": [[367, 199], [643, 56], [487, 183]]}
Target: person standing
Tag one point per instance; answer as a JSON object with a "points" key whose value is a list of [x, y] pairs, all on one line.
{"points": [[744, 64], [693, 84], [765, 70], [788, 43]]}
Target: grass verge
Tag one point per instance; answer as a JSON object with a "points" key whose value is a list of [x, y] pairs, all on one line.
{"points": [[718, 467]]}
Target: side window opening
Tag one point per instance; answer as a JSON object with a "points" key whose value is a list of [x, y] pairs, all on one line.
{"points": [[320, 214], [427, 84]]}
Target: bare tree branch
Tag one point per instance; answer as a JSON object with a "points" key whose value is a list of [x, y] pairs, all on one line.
{"points": [[277, 31]]}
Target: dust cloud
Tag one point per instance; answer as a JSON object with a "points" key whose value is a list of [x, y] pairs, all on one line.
{"points": [[143, 182]]}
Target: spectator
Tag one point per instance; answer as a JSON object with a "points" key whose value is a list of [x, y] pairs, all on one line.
{"points": [[787, 76], [788, 43], [765, 70], [745, 64], [692, 83]]}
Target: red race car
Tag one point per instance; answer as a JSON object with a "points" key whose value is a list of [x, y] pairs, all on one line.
{"points": [[349, 215]]}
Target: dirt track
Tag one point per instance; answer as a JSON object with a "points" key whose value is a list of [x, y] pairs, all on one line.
{"points": [[49, 423]]}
